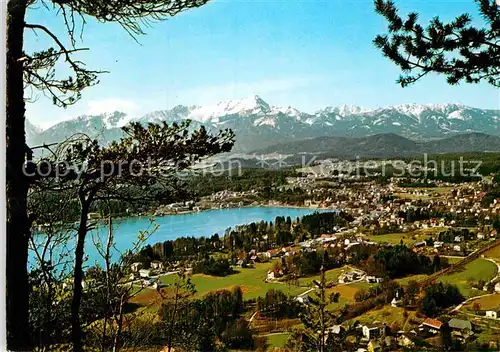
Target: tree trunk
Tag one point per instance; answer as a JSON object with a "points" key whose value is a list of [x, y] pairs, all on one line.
{"points": [[172, 322], [78, 277], [107, 306], [104, 333], [116, 342], [47, 338], [322, 332], [18, 224]]}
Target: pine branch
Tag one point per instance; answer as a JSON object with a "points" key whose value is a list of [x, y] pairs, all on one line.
{"points": [[456, 50]]}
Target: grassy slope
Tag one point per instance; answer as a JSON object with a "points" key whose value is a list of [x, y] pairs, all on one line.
{"points": [[476, 270], [390, 315], [486, 303], [394, 238], [277, 341], [405, 280], [251, 281], [331, 275], [347, 292], [407, 237], [493, 253]]}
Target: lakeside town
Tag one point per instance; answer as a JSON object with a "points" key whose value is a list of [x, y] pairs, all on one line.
{"points": [[406, 264], [252, 176]]}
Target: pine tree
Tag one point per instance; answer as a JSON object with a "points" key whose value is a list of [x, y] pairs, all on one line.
{"points": [[458, 50], [40, 71]]}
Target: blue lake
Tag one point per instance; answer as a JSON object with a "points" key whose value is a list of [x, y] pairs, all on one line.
{"points": [[200, 224]]}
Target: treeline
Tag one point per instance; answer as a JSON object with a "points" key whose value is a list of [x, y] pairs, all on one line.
{"points": [[392, 262], [205, 320], [447, 167], [305, 263], [214, 267], [438, 297], [490, 162], [450, 234], [419, 214], [387, 262], [239, 180], [399, 261], [321, 223], [276, 304], [427, 178], [259, 236]]}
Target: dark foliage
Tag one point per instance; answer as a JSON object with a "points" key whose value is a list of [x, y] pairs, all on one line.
{"points": [[450, 234], [28, 72], [244, 180], [201, 322], [238, 336], [320, 223], [211, 266], [458, 50], [399, 261], [438, 297], [276, 304], [260, 236]]}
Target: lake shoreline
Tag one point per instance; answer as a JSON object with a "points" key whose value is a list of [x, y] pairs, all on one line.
{"points": [[104, 220], [152, 215], [197, 225]]}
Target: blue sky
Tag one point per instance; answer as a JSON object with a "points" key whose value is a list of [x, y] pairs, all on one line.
{"points": [[305, 54]]}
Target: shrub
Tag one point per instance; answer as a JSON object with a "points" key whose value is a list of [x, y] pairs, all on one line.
{"points": [[438, 297], [238, 336], [276, 304], [215, 267]]}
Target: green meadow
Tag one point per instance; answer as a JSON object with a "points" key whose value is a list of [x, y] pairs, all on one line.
{"points": [[277, 341], [479, 269], [251, 281]]}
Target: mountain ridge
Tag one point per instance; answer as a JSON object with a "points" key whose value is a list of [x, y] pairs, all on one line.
{"points": [[258, 124], [383, 145]]}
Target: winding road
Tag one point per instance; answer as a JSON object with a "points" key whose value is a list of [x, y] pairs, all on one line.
{"points": [[457, 308]]}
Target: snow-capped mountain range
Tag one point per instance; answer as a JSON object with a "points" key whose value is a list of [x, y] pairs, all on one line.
{"points": [[258, 124]]}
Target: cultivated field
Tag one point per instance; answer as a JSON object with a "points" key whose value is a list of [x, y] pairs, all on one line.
{"points": [[251, 281], [277, 341], [394, 238], [405, 280], [347, 292], [485, 303], [408, 238], [493, 253], [479, 269]]}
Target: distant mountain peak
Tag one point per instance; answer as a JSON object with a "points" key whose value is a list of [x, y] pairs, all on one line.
{"points": [[114, 119], [250, 105], [258, 124], [32, 127], [417, 109], [343, 110]]}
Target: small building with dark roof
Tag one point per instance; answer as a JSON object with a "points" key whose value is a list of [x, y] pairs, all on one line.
{"points": [[460, 328]]}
